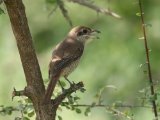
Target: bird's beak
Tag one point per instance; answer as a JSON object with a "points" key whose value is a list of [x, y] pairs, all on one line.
{"points": [[94, 33]]}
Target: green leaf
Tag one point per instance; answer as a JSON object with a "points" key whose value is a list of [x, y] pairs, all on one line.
{"points": [[117, 103], [27, 100], [9, 110], [63, 83], [76, 98], [141, 38], [68, 107], [72, 107], [31, 114], [26, 118], [1, 11], [148, 25], [138, 14], [18, 118], [97, 95], [87, 111], [21, 107], [153, 97], [51, 1], [70, 99], [59, 117], [63, 103], [82, 90], [78, 110], [29, 108], [25, 111], [93, 104], [145, 71]]}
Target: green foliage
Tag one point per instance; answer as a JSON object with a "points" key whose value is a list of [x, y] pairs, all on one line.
{"points": [[59, 118], [7, 110], [78, 110], [51, 1], [138, 14], [25, 107], [1, 11], [87, 111], [25, 118]]}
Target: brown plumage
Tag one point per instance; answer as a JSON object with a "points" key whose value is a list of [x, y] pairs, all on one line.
{"points": [[66, 55]]}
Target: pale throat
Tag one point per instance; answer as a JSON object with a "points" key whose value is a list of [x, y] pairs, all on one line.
{"points": [[82, 39]]}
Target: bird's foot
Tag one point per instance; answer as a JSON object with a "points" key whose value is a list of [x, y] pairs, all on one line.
{"points": [[62, 88], [71, 83]]}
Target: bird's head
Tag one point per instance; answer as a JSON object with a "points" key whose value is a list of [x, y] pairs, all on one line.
{"points": [[82, 33]]}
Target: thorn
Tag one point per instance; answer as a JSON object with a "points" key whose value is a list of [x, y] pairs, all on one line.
{"points": [[13, 93]]}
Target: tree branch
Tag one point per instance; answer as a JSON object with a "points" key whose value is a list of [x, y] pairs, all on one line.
{"points": [[98, 9], [64, 11], [35, 85], [18, 93], [73, 88], [116, 106], [23, 37], [148, 62]]}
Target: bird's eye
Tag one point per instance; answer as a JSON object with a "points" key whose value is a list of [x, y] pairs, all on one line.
{"points": [[85, 31], [82, 32]]}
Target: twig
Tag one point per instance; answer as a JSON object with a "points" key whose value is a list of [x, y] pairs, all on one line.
{"points": [[118, 113], [18, 93], [148, 61], [74, 87], [64, 11], [96, 8], [116, 106], [53, 10], [112, 108], [26, 92], [10, 108]]}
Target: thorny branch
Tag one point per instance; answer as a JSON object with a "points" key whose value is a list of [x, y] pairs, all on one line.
{"points": [[113, 108], [18, 93], [148, 62], [64, 11], [74, 87], [86, 3], [116, 106], [98, 9]]}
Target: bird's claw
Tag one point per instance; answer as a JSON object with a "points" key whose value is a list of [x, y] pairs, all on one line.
{"points": [[63, 90], [72, 83]]}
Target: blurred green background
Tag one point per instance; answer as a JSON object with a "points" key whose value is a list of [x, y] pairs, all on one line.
{"points": [[115, 59]]}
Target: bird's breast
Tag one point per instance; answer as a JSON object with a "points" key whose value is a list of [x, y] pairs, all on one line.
{"points": [[70, 68]]}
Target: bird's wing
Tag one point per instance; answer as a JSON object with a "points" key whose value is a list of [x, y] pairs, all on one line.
{"points": [[63, 55]]}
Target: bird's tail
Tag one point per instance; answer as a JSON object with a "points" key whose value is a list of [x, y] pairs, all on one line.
{"points": [[53, 81]]}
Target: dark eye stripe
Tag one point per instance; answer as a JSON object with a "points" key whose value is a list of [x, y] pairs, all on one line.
{"points": [[85, 31], [80, 33]]}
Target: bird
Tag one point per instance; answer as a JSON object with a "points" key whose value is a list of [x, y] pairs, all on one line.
{"points": [[67, 54]]}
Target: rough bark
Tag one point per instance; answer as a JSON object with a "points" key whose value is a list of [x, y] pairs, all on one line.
{"points": [[35, 87]]}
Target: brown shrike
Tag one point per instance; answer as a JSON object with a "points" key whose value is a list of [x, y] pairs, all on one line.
{"points": [[67, 54]]}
